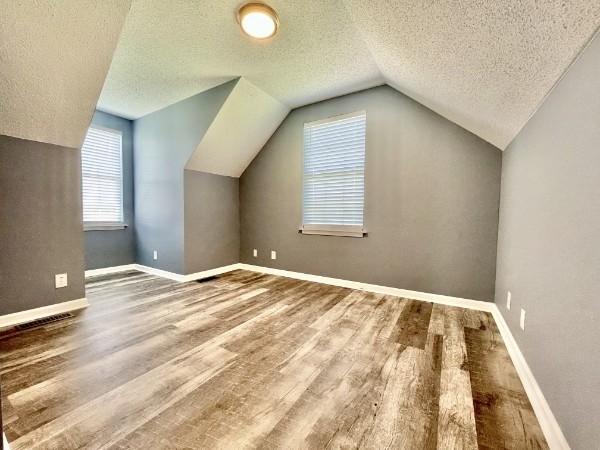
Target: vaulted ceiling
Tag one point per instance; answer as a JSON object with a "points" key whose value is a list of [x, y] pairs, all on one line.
{"points": [[173, 49], [485, 65], [241, 128], [54, 57]]}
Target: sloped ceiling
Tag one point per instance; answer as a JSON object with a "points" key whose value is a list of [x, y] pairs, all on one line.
{"points": [[242, 127], [173, 49], [54, 57], [485, 65]]}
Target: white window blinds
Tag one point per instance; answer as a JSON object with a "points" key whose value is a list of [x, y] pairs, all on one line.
{"points": [[334, 175], [102, 177]]}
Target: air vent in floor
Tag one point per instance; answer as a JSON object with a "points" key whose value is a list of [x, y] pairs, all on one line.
{"points": [[203, 280], [42, 322]]}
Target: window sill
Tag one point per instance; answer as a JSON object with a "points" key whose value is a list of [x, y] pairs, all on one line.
{"points": [[357, 232], [103, 226]]}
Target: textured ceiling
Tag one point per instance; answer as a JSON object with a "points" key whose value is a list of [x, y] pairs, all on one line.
{"points": [[483, 64], [242, 127], [54, 57], [173, 49]]}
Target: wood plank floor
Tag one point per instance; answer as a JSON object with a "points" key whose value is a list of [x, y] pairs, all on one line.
{"points": [[248, 360]]}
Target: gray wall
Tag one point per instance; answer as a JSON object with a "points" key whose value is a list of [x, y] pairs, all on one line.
{"points": [[163, 143], [432, 193], [40, 224], [212, 221], [109, 248], [549, 247]]}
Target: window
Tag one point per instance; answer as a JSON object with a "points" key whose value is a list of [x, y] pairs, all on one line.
{"points": [[334, 176], [102, 179]]}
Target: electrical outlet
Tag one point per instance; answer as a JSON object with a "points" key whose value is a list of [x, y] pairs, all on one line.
{"points": [[155, 255], [508, 299], [522, 319], [60, 280], [255, 253], [273, 254]]}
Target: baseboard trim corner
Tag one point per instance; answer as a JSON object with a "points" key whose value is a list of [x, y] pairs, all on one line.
{"points": [[109, 270], [5, 442], [424, 296], [159, 272], [186, 278], [550, 427], [10, 320], [211, 272]]}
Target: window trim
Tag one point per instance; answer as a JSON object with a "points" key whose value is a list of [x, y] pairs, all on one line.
{"points": [[108, 225], [355, 231], [334, 230], [103, 226]]}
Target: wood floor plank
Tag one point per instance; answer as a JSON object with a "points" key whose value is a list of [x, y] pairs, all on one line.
{"points": [[456, 419], [436, 322], [248, 360], [413, 324], [498, 396]]}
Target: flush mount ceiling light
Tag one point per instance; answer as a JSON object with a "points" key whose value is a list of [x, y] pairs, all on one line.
{"points": [[258, 20]]}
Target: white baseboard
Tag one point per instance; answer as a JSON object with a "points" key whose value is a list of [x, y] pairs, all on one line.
{"points": [[435, 298], [10, 320], [552, 431], [4, 442], [159, 272], [109, 270], [424, 296], [211, 272], [190, 277], [163, 273]]}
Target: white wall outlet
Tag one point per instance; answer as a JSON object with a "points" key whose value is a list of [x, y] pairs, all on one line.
{"points": [[60, 280], [522, 319], [508, 299], [155, 255], [273, 254], [255, 253]]}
